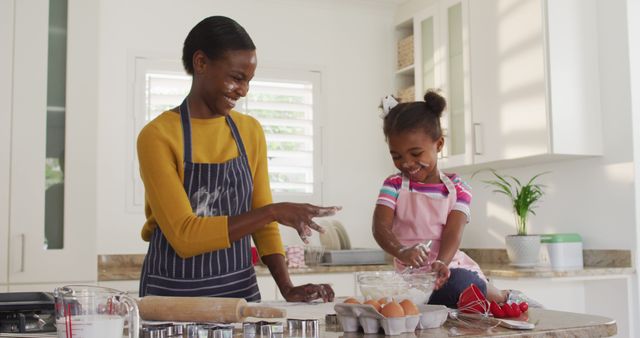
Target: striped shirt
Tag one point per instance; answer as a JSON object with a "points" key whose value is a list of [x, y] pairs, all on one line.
{"points": [[390, 188]]}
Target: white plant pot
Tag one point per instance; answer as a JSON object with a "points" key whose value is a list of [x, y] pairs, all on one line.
{"points": [[523, 251]]}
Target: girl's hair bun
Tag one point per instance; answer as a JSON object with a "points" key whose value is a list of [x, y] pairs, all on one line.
{"points": [[435, 102]]}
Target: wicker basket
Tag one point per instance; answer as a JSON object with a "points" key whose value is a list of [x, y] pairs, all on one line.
{"points": [[405, 52], [407, 94]]}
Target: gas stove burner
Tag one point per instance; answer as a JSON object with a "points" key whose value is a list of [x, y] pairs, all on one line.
{"points": [[27, 312], [21, 322]]}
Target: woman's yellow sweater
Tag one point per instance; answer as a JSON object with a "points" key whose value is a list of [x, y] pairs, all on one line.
{"points": [[160, 152]]}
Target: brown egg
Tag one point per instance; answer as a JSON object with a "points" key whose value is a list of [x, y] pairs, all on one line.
{"points": [[392, 310], [351, 300], [409, 308], [375, 304], [383, 301]]}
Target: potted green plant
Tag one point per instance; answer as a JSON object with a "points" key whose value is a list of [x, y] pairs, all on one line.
{"points": [[523, 249]]}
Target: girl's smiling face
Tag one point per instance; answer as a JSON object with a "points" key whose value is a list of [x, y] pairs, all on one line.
{"points": [[415, 154]]}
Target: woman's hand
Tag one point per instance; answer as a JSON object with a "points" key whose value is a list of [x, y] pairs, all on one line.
{"points": [[309, 292], [300, 217], [414, 256], [442, 273]]}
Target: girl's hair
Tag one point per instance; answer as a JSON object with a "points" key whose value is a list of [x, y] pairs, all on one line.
{"points": [[423, 115], [214, 36]]}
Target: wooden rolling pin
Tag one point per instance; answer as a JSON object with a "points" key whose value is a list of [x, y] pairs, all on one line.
{"points": [[203, 309]]}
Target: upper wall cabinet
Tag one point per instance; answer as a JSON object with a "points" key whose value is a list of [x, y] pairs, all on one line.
{"points": [[520, 78], [440, 61], [6, 60], [52, 177]]}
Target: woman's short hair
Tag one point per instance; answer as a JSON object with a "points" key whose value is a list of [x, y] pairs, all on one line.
{"points": [[214, 36]]}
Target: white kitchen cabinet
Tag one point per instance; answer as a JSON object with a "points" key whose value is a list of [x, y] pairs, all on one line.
{"points": [[441, 61], [608, 296], [520, 78], [4, 288], [29, 262], [6, 61], [534, 80]]}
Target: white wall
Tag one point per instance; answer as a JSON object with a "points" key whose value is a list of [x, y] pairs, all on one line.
{"points": [[349, 42], [633, 12]]}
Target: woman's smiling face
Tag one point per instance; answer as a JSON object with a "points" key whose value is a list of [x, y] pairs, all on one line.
{"points": [[225, 80], [415, 154]]}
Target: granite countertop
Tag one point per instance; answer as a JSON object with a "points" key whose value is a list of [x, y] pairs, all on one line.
{"points": [[548, 323], [494, 263]]}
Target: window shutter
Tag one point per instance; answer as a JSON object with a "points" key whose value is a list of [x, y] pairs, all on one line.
{"points": [[285, 111], [284, 108]]}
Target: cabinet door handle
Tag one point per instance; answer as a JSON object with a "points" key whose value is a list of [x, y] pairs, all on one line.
{"points": [[18, 253], [478, 146]]}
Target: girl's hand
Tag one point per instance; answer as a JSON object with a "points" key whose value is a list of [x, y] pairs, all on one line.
{"points": [[300, 217], [442, 273], [415, 255], [309, 292]]}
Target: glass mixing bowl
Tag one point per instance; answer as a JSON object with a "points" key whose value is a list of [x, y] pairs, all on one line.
{"points": [[415, 286]]}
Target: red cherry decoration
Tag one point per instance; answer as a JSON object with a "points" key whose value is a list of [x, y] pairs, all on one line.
{"points": [[516, 310], [508, 312], [524, 306], [496, 310]]}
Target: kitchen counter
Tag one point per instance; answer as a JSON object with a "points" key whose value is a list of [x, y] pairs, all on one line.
{"points": [[554, 324], [494, 263], [548, 324]]}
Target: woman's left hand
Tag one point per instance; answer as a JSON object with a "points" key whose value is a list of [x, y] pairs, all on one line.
{"points": [[308, 292], [442, 273]]}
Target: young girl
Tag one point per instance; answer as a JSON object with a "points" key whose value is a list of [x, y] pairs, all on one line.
{"points": [[422, 205]]}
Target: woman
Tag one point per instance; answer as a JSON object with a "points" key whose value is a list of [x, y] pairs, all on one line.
{"points": [[204, 169]]}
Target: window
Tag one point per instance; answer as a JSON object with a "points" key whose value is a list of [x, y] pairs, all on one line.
{"points": [[285, 110], [284, 101]]}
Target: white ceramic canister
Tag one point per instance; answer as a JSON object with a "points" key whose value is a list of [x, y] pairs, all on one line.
{"points": [[563, 251]]}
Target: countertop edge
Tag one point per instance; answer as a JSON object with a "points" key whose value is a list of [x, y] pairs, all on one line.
{"points": [[133, 273]]}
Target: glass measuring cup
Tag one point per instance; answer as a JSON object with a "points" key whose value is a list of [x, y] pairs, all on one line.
{"points": [[85, 311]]}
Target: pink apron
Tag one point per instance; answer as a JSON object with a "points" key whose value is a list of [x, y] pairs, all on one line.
{"points": [[419, 218]]}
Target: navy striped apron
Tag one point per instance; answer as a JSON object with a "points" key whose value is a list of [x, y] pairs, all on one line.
{"points": [[214, 189]]}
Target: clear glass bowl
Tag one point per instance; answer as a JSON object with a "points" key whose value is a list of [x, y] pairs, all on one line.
{"points": [[415, 286]]}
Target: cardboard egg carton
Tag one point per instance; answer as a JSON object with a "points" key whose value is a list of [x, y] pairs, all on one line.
{"points": [[356, 316]]}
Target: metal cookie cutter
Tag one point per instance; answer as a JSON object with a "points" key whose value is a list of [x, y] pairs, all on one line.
{"points": [[263, 329], [303, 327], [155, 331], [217, 331], [332, 322]]}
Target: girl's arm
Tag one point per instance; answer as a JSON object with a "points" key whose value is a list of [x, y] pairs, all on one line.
{"points": [[450, 242], [452, 236], [382, 221]]}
